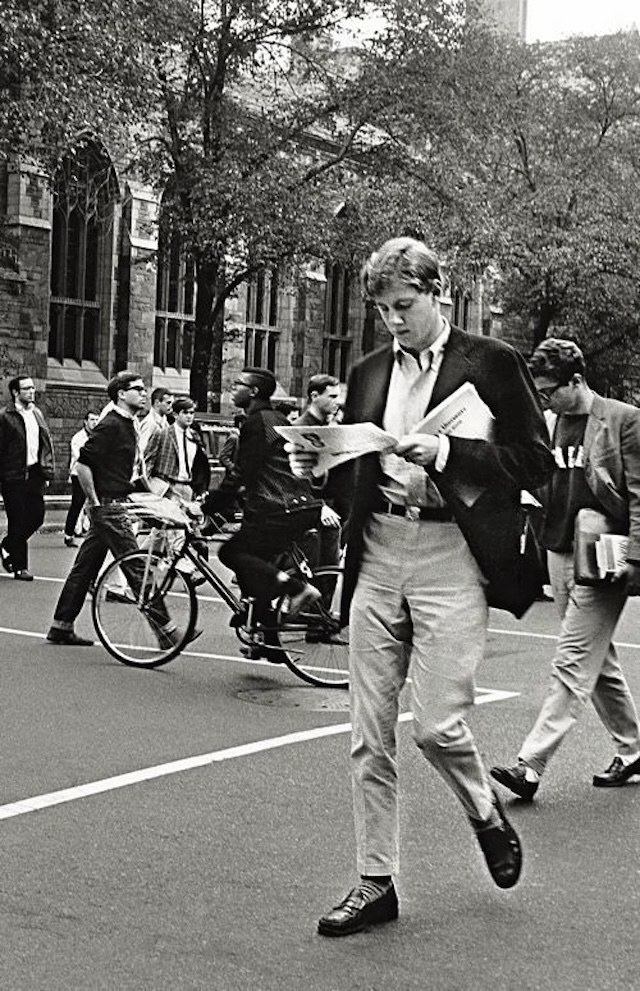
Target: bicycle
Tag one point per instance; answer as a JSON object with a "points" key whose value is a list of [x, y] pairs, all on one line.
{"points": [[312, 645]]}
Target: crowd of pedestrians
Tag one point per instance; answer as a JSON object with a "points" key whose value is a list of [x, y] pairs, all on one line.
{"points": [[433, 533]]}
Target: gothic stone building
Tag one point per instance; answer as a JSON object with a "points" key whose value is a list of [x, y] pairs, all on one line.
{"points": [[87, 288]]}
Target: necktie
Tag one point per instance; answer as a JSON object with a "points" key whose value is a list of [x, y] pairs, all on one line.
{"points": [[186, 455]]}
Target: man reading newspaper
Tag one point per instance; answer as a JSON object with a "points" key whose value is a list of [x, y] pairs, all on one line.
{"points": [[435, 535]]}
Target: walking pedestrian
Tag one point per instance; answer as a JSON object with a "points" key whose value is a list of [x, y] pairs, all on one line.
{"points": [[596, 445], [26, 466], [423, 563], [323, 393], [106, 466], [78, 498]]}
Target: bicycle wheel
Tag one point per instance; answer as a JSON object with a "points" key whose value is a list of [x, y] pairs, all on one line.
{"points": [[312, 645], [144, 612]]}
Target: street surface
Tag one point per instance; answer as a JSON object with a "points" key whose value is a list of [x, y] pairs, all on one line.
{"points": [[185, 827]]}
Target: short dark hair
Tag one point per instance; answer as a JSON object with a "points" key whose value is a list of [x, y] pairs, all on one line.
{"points": [[318, 383], [183, 403], [262, 379], [158, 394], [90, 412], [558, 359], [14, 384], [402, 258], [122, 380]]}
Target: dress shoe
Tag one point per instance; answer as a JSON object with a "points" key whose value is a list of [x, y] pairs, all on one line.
{"points": [[23, 575], [6, 559], [69, 542], [365, 905], [514, 779], [67, 638], [501, 848], [617, 774]]}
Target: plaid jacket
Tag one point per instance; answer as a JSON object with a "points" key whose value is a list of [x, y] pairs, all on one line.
{"points": [[161, 459]]}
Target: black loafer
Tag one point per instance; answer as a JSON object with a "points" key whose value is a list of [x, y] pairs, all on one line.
{"points": [[501, 848], [514, 779], [68, 638], [364, 906], [23, 575], [617, 774]]}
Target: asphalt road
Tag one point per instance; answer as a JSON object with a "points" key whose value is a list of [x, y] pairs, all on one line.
{"points": [[184, 828]]}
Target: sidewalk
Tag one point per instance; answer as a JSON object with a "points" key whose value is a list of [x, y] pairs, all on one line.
{"points": [[56, 508]]}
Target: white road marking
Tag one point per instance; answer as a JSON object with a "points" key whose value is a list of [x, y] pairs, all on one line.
{"points": [[39, 802]]}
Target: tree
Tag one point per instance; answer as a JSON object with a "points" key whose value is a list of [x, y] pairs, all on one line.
{"points": [[258, 127]]}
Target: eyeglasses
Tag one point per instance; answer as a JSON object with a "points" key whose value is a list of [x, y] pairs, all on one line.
{"points": [[138, 388], [545, 395], [240, 382]]}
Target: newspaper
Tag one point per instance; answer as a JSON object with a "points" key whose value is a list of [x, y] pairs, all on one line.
{"points": [[462, 414], [338, 443], [611, 553]]}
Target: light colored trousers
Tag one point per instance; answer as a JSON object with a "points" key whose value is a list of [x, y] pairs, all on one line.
{"points": [[585, 666], [419, 608]]}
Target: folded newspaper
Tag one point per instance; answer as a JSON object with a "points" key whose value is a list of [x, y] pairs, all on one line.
{"points": [[462, 414], [611, 553]]}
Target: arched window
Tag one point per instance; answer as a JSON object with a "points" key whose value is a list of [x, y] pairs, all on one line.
{"points": [[175, 304], [338, 337], [85, 189], [460, 309], [262, 333]]}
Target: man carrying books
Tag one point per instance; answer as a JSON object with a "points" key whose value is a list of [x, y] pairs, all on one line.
{"points": [[434, 537], [596, 445]]}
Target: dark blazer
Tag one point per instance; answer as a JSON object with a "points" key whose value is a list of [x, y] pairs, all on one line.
{"points": [[517, 458], [612, 464], [162, 461], [13, 446]]}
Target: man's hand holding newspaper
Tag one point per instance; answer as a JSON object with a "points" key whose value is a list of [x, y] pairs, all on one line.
{"points": [[315, 450]]}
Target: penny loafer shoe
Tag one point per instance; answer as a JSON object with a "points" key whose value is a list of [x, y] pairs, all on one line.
{"points": [[23, 575], [365, 905], [67, 638], [617, 774], [514, 779], [501, 848]]}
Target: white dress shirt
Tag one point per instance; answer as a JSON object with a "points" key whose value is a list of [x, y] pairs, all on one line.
{"points": [[33, 433], [410, 389]]}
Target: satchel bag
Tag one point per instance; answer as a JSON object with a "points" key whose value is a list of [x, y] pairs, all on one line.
{"points": [[590, 524]]}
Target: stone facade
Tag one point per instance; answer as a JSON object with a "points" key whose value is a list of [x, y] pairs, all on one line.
{"points": [[126, 280]]}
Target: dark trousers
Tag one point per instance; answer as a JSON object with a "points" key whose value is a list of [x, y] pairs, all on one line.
{"points": [[77, 502], [251, 551], [110, 530], [24, 506]]}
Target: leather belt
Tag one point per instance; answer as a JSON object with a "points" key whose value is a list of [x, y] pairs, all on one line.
{"points": [[438, 514], [109, 500]]}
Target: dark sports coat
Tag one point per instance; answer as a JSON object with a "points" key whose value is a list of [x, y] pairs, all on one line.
{"points": [[517, 458], [13, 446]]}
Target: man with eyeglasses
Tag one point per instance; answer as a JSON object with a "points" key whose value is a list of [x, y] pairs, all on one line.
{"points": [[278, 507], [106, 468], [26, 465], [596, 445]]}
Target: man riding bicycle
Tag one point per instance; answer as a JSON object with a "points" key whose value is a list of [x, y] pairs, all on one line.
{"points": [[278, 507]]}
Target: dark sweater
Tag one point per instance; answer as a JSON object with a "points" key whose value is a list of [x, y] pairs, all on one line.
{"points": [[110, 453]]}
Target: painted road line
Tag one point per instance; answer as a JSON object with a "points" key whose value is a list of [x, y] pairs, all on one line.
{"points": [[39, 802]]}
